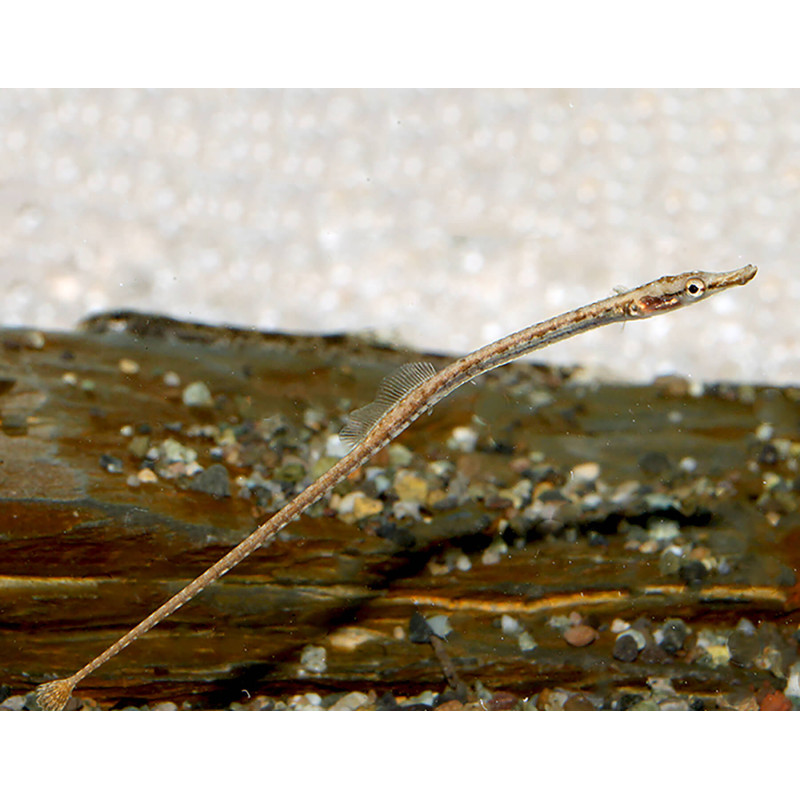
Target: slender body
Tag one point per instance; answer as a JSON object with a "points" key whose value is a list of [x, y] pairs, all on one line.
{"points": [[402, 398]]}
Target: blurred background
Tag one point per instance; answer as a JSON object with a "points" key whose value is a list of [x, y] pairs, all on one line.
{"points": [[436, 219]]}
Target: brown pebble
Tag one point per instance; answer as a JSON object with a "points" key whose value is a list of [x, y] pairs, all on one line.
{"points": [[501, 701], [580, 635], [776, 701], [450, 705], [653, 654], [577, 702], [551, 700]]}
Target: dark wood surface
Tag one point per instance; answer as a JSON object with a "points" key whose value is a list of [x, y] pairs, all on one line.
{"points": [[84, 555]]}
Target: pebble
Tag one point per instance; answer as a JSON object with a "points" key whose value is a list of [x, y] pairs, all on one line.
{"points": [[463, 439], [493, 553], [656, 501], [501, 701], [588, 472], [625, 648], [672, 635], [127, 366], [399, 455], [426, 698], [670, 560], [654, 463], [171, 379], [306, 702], [165, 706], [410, 487], [619, 625], [578, 702], [764, 432], [439, 625], [744, 647], [693, 573], [745, 626], [138, 446], [625, 492], [651, 653], [314, 659], [463, 563], [378, 478], [663, 530], [214, 481], [172, 450], [580, 635], [526, 642], [314, 419], [350, 702], [111, 463], [551, 700], [451, 705], [197, 395], [335, 448], [366, 506], [15, 702], [508, 624], [351, 638], [775, 701], [343, 504]]}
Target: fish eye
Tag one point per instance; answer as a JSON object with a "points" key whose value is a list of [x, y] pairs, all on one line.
{"points": [[695, 288]]}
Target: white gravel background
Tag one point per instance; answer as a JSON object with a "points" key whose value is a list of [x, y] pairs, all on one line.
{"points": [[440, 219]]}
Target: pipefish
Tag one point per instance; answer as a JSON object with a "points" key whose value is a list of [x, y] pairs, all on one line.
{"points": [[402, 397]]}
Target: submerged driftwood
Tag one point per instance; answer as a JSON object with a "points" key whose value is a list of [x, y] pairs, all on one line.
{"points": [[538, 511]]}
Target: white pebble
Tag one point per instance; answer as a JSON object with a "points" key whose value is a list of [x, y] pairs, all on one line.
{"points": [[587, 472], [127, 366], [463, 563], [764, 432], [314, 659], [508, 624], [439, 625], [197, 395], [619, 625], [463, 439], [350, 702]]}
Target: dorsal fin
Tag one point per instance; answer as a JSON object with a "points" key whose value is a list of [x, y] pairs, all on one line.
{"points": [[393, 388]]}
